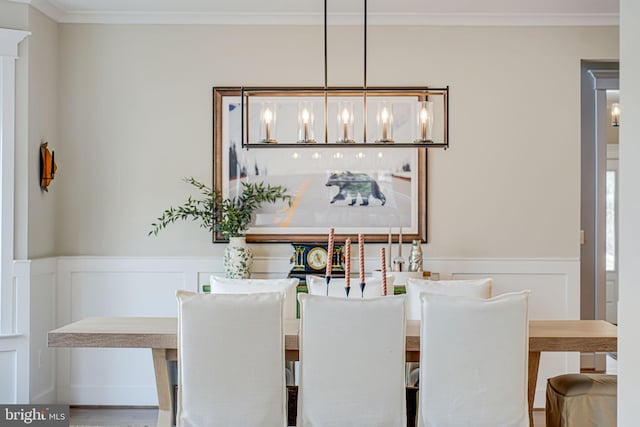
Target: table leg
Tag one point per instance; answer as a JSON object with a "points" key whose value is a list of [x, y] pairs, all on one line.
{"points": [[534, 364], [163, 386]]}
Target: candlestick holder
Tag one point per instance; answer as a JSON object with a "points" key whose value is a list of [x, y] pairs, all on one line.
{"points": [[384, 119], [346, 121], [268, 123], [424, 118], [306, 120], [398, 264]]}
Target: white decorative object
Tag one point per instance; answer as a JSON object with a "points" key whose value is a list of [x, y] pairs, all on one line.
{"points": [[415, 257], [238, 259]]}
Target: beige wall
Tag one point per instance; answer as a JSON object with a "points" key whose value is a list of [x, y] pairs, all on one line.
{"points": [[36, 120], [43, 126], [135, 117]]}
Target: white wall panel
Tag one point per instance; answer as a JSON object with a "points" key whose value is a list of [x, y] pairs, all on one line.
{"points": [[108, 286], [93, 286], [8, 373], [43, 306]]}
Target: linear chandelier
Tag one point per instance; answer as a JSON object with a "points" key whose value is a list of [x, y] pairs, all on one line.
{"points": [[344, 116]]}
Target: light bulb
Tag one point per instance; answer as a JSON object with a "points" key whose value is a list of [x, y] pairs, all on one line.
{"points": [[345, 116], [384, 115], [424, 115], [268, 116], [305, 116]]}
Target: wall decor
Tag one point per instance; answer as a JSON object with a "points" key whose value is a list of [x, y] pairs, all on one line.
{"points": [[356, 191], [48, 166]]}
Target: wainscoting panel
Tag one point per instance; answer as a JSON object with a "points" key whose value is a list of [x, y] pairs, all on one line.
{"points": [[118, 287], [43, 307], [106, 286], [14, 345], [554, 287], [8, 373]]}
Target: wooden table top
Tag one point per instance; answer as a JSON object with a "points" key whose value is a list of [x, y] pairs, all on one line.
{"points": [[161, 332]]}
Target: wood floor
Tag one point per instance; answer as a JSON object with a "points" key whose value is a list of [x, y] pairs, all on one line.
{"points": [[101, 416], [147, 417]]}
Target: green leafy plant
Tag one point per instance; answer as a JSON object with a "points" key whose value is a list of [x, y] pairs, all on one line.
{"points": [[230, 217]]}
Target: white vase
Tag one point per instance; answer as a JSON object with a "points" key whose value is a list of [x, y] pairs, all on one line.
{"points": [[238, 259]]}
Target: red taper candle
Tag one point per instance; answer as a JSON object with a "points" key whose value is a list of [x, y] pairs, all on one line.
{"points": [[383, 271], [347, 263], [330, 253], [361, 255]]}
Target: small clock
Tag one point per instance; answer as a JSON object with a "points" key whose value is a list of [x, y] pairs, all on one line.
{"points": [[317, 258], [311, 258]]}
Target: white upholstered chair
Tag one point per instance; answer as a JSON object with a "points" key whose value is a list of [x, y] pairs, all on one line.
{"points": [[223, 380], [473, 361], [473, 288], [317, 285], [352, 355], [221, 285], [288, 287]]}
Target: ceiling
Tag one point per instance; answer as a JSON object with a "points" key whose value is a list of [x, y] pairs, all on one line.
{"points": [[416, 12]]}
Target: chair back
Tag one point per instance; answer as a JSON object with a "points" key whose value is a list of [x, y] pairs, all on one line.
{"points": [[474, 288], [223, 379], [318, 286], [352, 355], [473, 361], [221, 285]]}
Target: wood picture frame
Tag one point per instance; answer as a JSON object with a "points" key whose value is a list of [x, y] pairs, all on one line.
{"points": [[360, 188]]}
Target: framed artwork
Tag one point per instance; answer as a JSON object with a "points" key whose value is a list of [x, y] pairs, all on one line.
{"points": [[355, 189]]}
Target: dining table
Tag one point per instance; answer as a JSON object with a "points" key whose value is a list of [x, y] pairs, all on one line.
{"points": [[160, 335]]}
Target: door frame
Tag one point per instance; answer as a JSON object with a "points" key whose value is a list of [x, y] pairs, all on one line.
{"points": [[596, 79]]}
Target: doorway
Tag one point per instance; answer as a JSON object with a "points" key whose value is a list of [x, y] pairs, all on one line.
{"points": [[599, 81]]}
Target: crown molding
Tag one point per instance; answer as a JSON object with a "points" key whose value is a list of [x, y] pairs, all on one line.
{"points": [[48, 7], [52, 9]]}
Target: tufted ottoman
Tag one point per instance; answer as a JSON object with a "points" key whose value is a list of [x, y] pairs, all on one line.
{"points": [[582, 400]]}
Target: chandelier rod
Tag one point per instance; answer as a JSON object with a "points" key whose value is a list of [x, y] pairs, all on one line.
{"points": [[326, 104], [365, 44], [326, 80], [364, 97], [326, 85]]}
